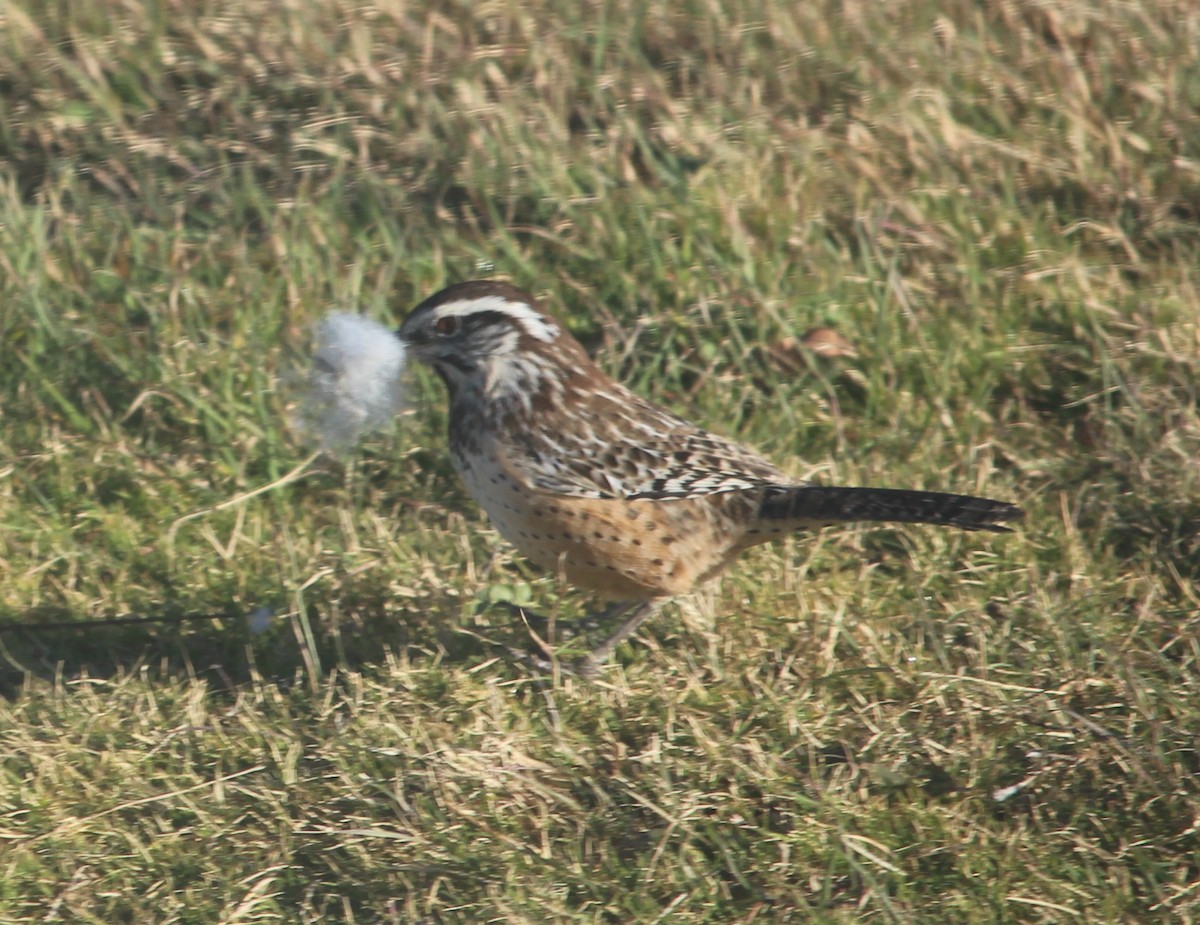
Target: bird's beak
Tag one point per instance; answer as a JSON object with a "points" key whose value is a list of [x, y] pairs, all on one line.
{"points": [[412, 340], [404, 336]]}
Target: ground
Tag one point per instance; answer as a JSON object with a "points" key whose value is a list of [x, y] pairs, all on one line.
{"points": [[949, 245]]}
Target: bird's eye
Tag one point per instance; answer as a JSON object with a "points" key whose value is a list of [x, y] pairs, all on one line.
{"points": [[447, 325]]}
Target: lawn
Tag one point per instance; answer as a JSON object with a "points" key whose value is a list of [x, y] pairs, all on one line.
{"points": [[952, 246]]}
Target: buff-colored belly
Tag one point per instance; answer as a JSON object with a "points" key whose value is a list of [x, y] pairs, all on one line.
{"points": [[615, 548]]}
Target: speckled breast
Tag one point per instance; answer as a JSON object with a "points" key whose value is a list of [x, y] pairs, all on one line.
{"points": [[615, 548]]}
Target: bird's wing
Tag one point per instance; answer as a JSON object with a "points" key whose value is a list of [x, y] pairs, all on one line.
{"points": [[640, 451]]}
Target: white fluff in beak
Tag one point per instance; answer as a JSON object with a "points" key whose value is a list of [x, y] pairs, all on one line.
{"points": [[354, 383]]}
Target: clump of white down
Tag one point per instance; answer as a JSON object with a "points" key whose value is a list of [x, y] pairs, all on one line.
{"points": [[354, 384]]}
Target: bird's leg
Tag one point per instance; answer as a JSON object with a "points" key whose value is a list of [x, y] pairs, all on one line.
{"points": [[637, 614], [634, 616], [543, 631]]}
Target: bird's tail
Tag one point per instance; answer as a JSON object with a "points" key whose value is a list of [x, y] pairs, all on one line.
{"points": [[791, 506]]}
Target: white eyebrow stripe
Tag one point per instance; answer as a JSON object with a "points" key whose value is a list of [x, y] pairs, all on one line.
{"points": [[536, 324]]}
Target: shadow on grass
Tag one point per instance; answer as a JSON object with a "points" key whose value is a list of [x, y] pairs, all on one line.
{"points": [[229, 645]]}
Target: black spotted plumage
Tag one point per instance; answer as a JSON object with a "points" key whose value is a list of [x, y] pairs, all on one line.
{"points": [[618, 494]]}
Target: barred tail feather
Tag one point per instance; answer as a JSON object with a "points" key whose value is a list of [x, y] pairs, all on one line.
{"points": [[814, 505]]}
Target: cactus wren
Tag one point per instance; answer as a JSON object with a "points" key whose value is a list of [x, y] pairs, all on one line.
{"points": [[616, 494]]}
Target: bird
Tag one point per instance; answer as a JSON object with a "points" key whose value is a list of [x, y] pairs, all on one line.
{"points": [[616, 494]]}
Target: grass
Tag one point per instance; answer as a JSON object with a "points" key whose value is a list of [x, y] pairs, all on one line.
{"points": [[996, 206]]}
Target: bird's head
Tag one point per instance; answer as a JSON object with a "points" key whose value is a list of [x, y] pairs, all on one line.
{"points": [[488, 340]]}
